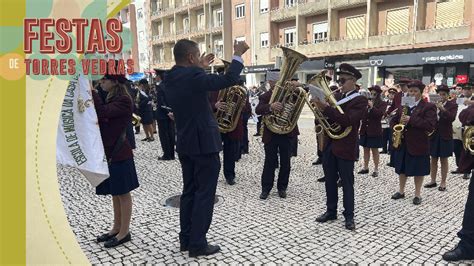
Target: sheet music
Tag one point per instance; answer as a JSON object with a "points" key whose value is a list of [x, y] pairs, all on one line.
{"points": [[434, 98], [408, 101], [316, 92], [460, 101]]}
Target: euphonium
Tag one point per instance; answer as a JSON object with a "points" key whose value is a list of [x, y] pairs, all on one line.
{"points": [[292, 98], [333, 130], [234, 98], [136, 120], [467, 140], [398, 130]]}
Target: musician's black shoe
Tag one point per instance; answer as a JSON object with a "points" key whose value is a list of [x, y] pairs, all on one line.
{"points": [[350, 225], [375, 174], [113, 242], [256, 135], [457, 254], [455, 172], [417, 200], [388, 164], [165, 158], [230, 181], [206, 251], [282, 194], [318, 161], [363, 171], [339, 183], [398, 195], [430, 185], [326, 217], [145, 139], [264, 195], [151, 139], [322, 179], [465, 176], [105, 237], [383, 152]]}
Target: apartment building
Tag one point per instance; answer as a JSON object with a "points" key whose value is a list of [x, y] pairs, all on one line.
{"points": [[142, 36], [431, 40]]}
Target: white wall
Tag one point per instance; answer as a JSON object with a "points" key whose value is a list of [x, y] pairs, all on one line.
{"points": [[143, 51]]}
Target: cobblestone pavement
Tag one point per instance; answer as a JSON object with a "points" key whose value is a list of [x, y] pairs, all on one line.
{"points": [[277, 230]]}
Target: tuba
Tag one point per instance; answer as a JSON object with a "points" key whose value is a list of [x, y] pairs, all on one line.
{"points": [[467, 140], [398, 130], [234, 97], [292, 98], [333, 130]]}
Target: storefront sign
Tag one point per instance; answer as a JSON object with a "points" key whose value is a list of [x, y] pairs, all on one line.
{"points": [[258, 69], [461, 79], [417, 59]]}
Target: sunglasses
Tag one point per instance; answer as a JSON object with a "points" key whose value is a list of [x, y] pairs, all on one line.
{"points": [[342, 80]]}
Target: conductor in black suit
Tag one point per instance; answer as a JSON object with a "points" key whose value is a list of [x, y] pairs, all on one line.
{"points": [[186, 88]]}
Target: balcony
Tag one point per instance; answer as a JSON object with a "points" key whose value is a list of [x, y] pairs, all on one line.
{"points": [[193, 4], [341, 4], [283, 14], [314, 7], [213, 2], [274, 52], [164, 38], [443, 34], [215, 29], [392, 40]]}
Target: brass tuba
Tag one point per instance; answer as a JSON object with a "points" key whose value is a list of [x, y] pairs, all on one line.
{"points": [[398, 130], [467, 140], [292, 98], [136, 119], [234, 98], [333, 130]]}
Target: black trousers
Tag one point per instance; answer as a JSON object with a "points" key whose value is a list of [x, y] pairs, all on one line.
{"points": [[245, 141], [279, 144], [467, 232], [294, 146], [231, 153], [259, 124], [166, 133], [200, 174], [458, 147], [335, 168], [386, 141]]}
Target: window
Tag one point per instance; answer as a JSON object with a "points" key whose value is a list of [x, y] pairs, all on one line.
{"points": [[159, 5], [172, 54], [240, 39], [320, 32], [240, 11], [219, 48], [290, 36], [172, 26], [186, 25], [141, 35], [290, 3], [355, 27], [201, 21], [264, 39], [202, 47], [449, 13], [398, 21], [217, 17], [263, 6], [140, 13]]}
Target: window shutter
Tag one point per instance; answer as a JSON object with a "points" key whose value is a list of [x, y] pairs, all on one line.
{"points": [[355, 27], [398, 21], [449, 14]]}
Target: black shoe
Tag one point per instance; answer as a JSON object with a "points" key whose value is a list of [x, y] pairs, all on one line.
{"points": [[417, 200], [440, 188], [256, 135], [350, 225], [388, 164], [282, 194], [383, 152], [208, 250], [398, 195], [318, 161], [339, 183], [455, 172], [430, 185], [457, 254], [230, 181], [322, 179], [136, 133], [264, 195], [183, 247], [363, 171], [375, 174], [145, 139], [151, 139], [465, 176], [163, 158], [326, 217], [113, 242], [105, 237]]}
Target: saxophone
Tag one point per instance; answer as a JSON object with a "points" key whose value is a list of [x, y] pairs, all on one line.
{"points": [[234, 98], [467, 140], [333, 130], [292, 98], [398, 130]]}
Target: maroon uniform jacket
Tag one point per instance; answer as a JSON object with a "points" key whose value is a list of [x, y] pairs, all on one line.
{"points": [[114, 117], [354, 111], [446, 118], [238, 132], [422, 121], [372, 122], [467, 160], [263, 108]]}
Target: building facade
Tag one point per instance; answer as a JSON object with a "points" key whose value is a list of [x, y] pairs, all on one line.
{"points": [[431, 40], [142, 36]]}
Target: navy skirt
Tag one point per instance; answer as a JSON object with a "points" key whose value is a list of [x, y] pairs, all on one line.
{"points": [[123, 179], [410, 165], [439, 147], [371, 142], [147, 118]]}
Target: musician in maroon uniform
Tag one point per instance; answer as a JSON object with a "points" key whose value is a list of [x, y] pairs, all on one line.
{"points": [[412, 158], [340, 154], [274, 144], [230, 140], [441, 143], [371, 135], [464, 250]]}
